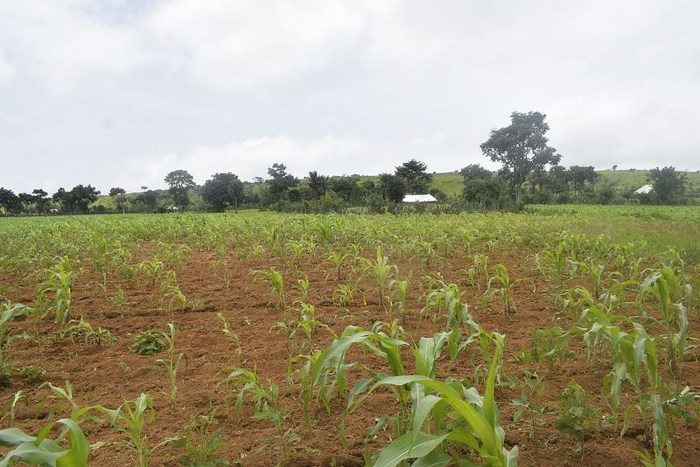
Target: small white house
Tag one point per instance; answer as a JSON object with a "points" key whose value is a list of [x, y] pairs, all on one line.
{"points": [[419, 199], [643, 190]]}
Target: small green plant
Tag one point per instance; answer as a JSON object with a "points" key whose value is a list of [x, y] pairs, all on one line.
{"points": [[55, 291], [31, 373], [505, 290], [131, 418], [344, 295], [201, 443], [149, 342], [245, 384], [83, 330], [550, 345], [576, 415], [228, 332], [172, 364], [382, 274], [10, 311], [118, 298], [531, 402], [8, 410], [170, 291], [276, 282]]}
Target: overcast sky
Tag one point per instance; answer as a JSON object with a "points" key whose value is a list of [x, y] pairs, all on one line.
{"points": [[119, 93]]}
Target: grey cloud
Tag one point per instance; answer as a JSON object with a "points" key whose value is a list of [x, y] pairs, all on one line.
{"points": [[118, 95]]}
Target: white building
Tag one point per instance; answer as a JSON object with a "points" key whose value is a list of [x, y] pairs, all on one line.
{"points": [[419, 199], [643, 190]]}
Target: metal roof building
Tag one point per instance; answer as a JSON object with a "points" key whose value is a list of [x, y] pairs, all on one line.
{"points": [[643, 190], [419, 199]]}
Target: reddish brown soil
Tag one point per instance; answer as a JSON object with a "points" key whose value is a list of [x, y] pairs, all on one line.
{"points": [[109, 374]]}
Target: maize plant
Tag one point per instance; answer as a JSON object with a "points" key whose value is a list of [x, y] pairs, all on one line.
{"points": [[668, 288], [131, 418], [40, 450], [451, 414], [634, 354], [172, 364], [398, 302], [10, 311], [58, 283], [505, 290], [382, 274], [276, 282], [337, 258], [447, 297]]}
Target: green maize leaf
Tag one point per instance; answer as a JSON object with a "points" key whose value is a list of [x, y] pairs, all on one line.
{"points": [[511, 457], [47, 453], [423, 408], [10, 437], [403, 448], [79, 451], [436, 458], [461, 435], [360, 386], [490, 410]]}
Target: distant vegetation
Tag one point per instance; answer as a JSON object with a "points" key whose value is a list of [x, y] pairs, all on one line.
{"points": [[530, 174]]}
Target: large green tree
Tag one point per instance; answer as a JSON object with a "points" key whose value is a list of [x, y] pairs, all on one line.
{"points": [[392, 188], [81, 196], [669, 185], [415, 176], [280, 181], [579, 175], [223, 189], [318, 184], [41, 199], [521, 147], [9, 201], [120, 198], [180, 181]]}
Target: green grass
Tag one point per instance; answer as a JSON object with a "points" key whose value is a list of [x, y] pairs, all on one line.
{"points": [[630, 180]]}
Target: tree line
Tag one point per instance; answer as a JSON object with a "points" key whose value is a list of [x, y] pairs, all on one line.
{"points": [[529, 173]]}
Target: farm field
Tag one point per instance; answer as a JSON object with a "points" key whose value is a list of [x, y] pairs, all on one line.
{"points": [[564, 335]]}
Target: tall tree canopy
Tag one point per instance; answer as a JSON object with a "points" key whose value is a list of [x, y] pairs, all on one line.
{"points": [[180, 181], [223, 189], [9, 201], [668, 184], [392, 187], [415, 176], [580, 174], [280, 181], [521, 147], [318, 184]]}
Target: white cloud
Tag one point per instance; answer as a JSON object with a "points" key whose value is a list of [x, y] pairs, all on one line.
{"points": [[7, 71], [245, 44], [251, 158]]}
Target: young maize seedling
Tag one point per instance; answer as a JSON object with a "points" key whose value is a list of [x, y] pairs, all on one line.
{"points": [[337, 258], [228, 332], [131, 419], [10, 311], [668, 289], [172, 364], [382, 275], [58, 283], [506, 289], [458, 414], [275, 281]]}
